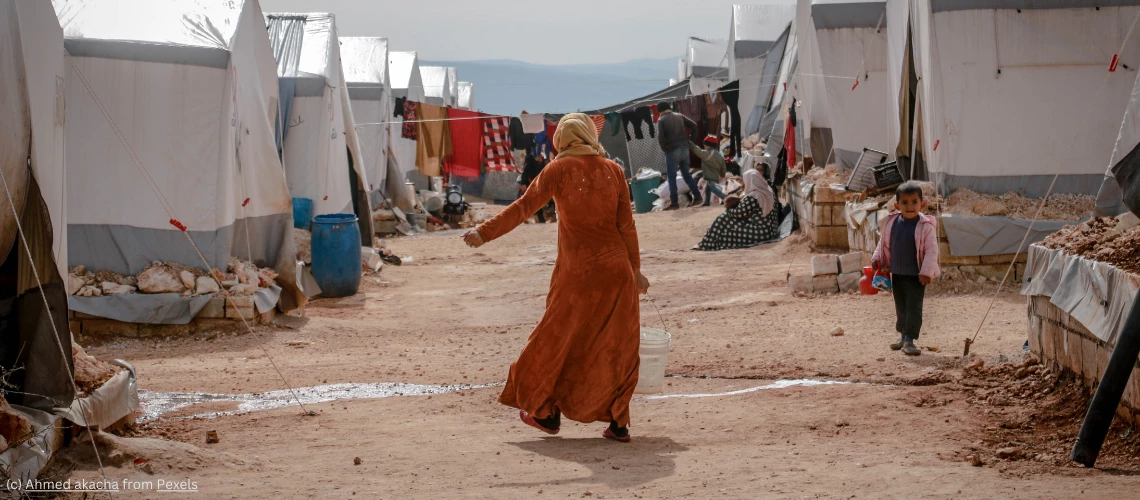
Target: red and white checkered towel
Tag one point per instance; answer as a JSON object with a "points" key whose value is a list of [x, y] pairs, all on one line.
{"points": [[497, 145]]}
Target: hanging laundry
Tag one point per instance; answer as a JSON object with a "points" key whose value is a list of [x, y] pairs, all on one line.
{"points": [[497, 145], [543, 146], [520, 140], [613, 122], [613, 141], [636, 117], [532, 123], [599, 123], [398, 110], [409, 129], [790, 136], [656, 114], [730, 94], [551, 127], [466, 141], [714, 108], [694, 109], [433, 144]]}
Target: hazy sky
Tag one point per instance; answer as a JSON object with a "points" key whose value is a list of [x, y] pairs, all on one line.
{"points": [[537, 31]]}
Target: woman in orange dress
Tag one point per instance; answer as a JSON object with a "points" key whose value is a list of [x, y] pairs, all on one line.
{"points": [[581, 361]]}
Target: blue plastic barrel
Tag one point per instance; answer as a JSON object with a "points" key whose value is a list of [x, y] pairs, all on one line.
{"points": [[336, 254], [302, 213]]}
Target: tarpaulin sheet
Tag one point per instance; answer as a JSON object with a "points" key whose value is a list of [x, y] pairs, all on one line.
{"points": [[108, 403], [1096, 294], [25, 460], [1042, 272], [994, 235]]}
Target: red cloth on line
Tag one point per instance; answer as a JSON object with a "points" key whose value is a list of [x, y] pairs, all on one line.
{"points": [[656, 114], [466, 143], [551, 127], [790, 140], [599, 123], [497, 145]]}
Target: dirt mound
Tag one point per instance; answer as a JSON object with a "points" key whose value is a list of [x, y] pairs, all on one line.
{"points": [[1059, 207], [142, 456], [90, 373], [1094, 240], [303, 240]]}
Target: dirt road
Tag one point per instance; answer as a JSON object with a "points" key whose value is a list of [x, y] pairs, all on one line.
{"points": [[888, 427]]}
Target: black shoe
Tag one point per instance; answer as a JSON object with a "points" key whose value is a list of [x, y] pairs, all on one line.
{"points": [[898, 344], [909, 349], [696, 201], [669, 208]]}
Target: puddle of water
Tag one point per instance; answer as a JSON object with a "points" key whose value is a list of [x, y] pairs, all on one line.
{"points": [[157, 404], [779, 384]]}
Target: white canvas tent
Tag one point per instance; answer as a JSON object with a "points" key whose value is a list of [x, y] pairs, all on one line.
{"points": [[755, 31], [805, 86], [706, 61], [851, 39], [437, 85], [321, 152], [194, 92], [467, 96], [365, 64], [407, 82], [1003, 86], [32, 104]]}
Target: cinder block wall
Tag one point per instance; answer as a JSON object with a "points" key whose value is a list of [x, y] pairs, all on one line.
{"points": [[1062, 342], [219, 315], [821, 213]]}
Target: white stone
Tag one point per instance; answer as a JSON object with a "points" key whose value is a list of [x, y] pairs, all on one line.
{"points": [[827, 283], [824, 264], [187, 279], [370, 259], [160, 279], [246, 273], [800, 284], [89, 291], [266, 277], [111, 288], [849, 282], [74, 283], [851, 263], [205, 285]]}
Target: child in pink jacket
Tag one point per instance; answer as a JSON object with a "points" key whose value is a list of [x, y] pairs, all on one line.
{"points": [[908, 249]]}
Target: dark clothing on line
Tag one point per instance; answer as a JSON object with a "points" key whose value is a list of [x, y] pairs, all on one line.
{"points": [[399, 109], [519, 139], [909, 293], [636, 117], [731, 95], [671, 134]]}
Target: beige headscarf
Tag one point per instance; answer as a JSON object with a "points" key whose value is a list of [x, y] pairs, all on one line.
{"points": [[756, 187], [576, 136]]}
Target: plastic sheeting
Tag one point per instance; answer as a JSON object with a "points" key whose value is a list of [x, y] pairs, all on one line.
{"points": [[365, 64], [1096, 294], [108, 403], [204, 135], [26, 460], [860, 115], [1002, 93], [994, 235]]}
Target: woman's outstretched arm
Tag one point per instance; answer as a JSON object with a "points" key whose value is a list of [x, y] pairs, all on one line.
{"points": [[539, 192]]}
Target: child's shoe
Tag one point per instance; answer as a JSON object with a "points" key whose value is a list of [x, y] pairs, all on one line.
{"points": [[909, 349], [898, 344]]}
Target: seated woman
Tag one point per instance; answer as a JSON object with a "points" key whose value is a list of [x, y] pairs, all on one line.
{"points": [[755, 219]]}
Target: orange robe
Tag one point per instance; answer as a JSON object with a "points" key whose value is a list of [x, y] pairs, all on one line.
{"points": [[582, 358]]}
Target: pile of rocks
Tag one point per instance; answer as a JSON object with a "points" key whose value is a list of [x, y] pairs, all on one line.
{"points": [[1100, 240], [241, 278], [90, 372], [830, 274], [1059, 207]]}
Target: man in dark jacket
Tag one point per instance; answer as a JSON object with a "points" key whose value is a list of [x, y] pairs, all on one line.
{"points": [[674, 141]]}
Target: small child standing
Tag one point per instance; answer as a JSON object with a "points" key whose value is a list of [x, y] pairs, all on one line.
{"points": [[908, 250]]}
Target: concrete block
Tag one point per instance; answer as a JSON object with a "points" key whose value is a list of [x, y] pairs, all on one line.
{"points": [[1131, 395], [1088, 360], [211, 325], [1004, 258], [851, 262], [820, 215], [800, 284], [109, 328], [1019, 272], [167, 331], [215, 308], [832, 236], [995, 272], [849, 282], [1049, 343], [946, 259], [824, 194], [79, 315], [828, 283], [1035, 336], [839, 215], [941, 229], [238, 313], [240, 302], [268, 317], [824, 264], [1052, 312], [1103, 352]]}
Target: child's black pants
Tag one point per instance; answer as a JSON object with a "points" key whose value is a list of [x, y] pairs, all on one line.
{"points": [[909, 293]]}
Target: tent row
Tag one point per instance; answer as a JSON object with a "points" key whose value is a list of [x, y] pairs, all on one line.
{"points": [[209, 133], [994, 96]]}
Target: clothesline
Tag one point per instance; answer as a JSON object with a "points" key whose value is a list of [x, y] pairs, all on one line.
{"points": [[607, 82], [631, 104]]}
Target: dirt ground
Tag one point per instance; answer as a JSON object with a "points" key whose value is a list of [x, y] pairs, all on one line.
{"points": [[897, 427]]}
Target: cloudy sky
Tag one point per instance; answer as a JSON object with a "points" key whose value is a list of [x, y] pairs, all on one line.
{"points": [[542, 31]]}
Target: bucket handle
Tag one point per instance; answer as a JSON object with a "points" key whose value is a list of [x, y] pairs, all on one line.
{"points": [[659, 315]]}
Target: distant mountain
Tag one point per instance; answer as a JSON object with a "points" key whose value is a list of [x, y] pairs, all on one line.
{"points": [[508, 87]]}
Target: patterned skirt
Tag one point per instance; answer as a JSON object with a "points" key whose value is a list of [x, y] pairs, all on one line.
{"points": [[728, 232]]}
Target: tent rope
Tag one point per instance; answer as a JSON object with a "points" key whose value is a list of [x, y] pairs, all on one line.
{"points": [[51, 320], [175, 222]]}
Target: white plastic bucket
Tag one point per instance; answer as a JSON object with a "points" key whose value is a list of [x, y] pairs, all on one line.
{"points": [[654, 354]]}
